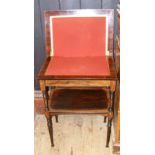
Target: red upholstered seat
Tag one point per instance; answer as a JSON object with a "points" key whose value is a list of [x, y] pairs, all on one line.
{"points": [[78, 47], [80, 66]]}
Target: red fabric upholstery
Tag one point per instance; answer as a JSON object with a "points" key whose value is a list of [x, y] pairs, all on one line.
{"points": [[86, 66], [79, 36], [79, 47]]}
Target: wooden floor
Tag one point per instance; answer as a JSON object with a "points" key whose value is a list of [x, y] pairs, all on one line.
{"points": [[73, 135]]}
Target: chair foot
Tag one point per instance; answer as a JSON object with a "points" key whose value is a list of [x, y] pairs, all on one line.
{"points": [[108, 132], [56, 118]]}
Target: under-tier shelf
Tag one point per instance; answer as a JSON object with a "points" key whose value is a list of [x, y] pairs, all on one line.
{"points": [[79, 100]]}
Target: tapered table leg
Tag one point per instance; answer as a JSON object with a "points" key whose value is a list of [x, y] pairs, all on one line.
{"points": [[50, 129], [56, 118], [105, 117], [47, 114], [108, 132]]}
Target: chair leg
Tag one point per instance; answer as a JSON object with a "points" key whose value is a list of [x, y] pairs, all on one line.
{"points": [[50, 129], [105, 118], [56, 118], [108, 132]]}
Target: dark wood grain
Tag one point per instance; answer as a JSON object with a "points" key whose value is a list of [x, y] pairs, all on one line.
{"points": [[79, 99], [41, 74]]}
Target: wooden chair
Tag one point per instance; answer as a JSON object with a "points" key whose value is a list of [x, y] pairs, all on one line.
{"points": [[78, 76]]}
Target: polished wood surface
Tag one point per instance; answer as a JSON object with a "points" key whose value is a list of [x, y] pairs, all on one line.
{"points": [[79, 101], [104, 84], [86, 99], [77, 83]]}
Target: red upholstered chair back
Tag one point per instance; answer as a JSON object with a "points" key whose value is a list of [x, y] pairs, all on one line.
{"points": [[78, 36]]}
